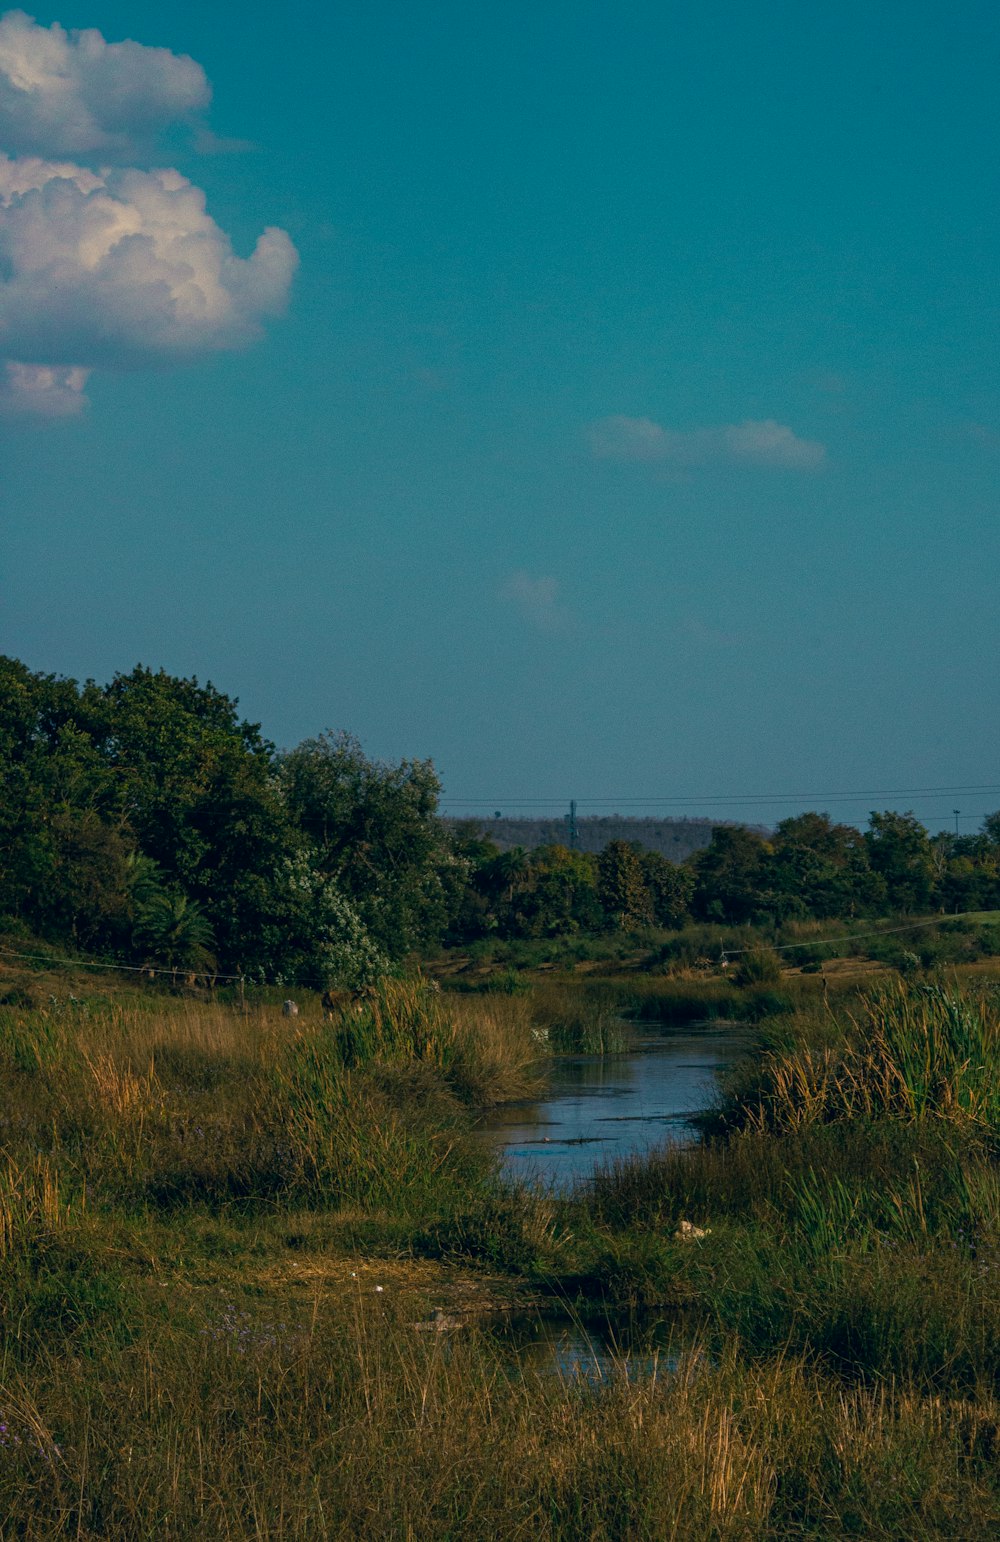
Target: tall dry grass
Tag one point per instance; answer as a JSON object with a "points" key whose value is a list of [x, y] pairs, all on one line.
{"points": [[845, 1286], [204, 1104], [345, 1423], [908, 1051]]}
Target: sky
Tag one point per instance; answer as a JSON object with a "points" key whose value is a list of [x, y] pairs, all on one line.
{"points": [[599, 400]]}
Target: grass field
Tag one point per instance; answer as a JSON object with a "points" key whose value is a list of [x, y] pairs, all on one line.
{"points": [[223, 1237]]}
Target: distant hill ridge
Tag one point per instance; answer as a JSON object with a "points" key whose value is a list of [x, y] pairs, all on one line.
{"points": [[673, 838]]}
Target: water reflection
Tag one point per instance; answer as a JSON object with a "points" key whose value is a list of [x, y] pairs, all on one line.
{"points": [[598, 1349], [601, 1107]]}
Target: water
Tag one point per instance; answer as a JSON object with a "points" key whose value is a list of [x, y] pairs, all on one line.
{"points": [[600, 1348], [601, 1107]]}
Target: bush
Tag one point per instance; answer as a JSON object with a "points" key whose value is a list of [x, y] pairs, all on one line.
{"points": [[758, 966]]}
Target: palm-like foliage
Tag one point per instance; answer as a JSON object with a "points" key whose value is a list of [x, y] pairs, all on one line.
{"points": [[174, 931]]}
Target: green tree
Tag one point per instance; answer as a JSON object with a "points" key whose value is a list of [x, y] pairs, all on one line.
{"points": [[621, 887], [472, 909], [373, 828], [966, 872], [324, 940], [552, 893], [197, 786], [63, 844], [733, 880], [670, 887], [899, 850], [991, 828], [174, 932], [821, 869]]}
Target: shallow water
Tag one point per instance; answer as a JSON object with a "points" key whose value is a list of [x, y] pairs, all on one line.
{"points": [[602, 1107], [600, 1348]]}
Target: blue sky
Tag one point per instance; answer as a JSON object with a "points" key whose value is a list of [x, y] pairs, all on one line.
{"points": [[617, 416]]}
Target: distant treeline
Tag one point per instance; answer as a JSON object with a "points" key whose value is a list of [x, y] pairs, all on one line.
{"points": [[145, 821], [677, 839]]}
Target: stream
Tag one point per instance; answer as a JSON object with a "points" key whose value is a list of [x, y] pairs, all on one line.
{"points": [[598, 1108]]}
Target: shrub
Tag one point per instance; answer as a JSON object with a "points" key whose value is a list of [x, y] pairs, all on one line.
{"points": [[758, 966]]}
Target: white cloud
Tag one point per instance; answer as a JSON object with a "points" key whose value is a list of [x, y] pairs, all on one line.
{"points": [[42, 391], [751, 443], [103, 265], [73, 93], [538, 601], [125, 268], [768, 443]]}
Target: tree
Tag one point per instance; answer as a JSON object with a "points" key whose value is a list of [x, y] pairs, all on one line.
{"points": [[670, 887], [322, 938], [554, 894], [174, 932], [472, 909], [621, 887], [63, 845], [732, 876], [822, 869], [373, 829], [966, 871], [900, 851], [196, 784]]}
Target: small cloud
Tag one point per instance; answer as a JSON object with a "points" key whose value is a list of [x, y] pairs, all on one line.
{"points": [[768, 443], [42, 391], [73, 93], [632, 439], [762, 442], [537, 599]]}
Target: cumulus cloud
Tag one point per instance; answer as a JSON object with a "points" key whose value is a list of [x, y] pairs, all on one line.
{"points": [[751, 443], [538, 601], [72, 93], [124, 268], [105, 265]]}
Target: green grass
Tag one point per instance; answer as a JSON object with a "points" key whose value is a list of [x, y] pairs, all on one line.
{"points": [[196, 1206], [579, 1021], [908, 1051]]}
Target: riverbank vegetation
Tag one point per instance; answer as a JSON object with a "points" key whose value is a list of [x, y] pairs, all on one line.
{"points": [[224, 1234]]}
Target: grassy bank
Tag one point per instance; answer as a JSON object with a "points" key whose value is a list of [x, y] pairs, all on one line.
{"points": [[346, 1423], [222, 1237]]}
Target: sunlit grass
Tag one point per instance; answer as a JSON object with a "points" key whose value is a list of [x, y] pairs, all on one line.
{"points": [[168, 1371]]}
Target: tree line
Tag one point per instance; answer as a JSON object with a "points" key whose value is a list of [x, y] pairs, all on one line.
{"points": [[146, 821]]}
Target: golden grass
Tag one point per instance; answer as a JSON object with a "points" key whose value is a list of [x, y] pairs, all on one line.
{"points": [[908, 1053], [30, 1202]]}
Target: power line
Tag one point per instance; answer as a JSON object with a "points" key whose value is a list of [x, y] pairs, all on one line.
{"points": [[883, 931], [756, 797], [146, 969]]}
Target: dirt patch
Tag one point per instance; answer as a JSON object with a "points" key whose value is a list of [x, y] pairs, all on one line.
{"points": [[419, 1284]]}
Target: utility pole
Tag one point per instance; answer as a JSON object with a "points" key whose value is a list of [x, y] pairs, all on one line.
{"points": [[574, 834], [956, 813]]}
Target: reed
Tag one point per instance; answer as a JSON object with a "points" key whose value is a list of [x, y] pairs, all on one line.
{"points": [[908, 1052], [581, 1021], [31, 1205]]}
